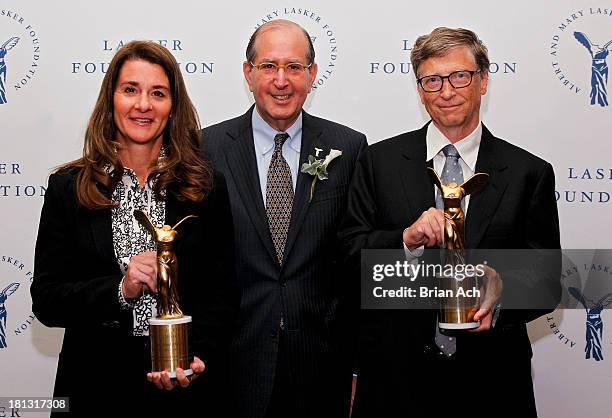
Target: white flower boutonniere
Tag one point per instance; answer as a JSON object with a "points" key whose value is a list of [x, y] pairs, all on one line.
{"points": [[317, 168]]}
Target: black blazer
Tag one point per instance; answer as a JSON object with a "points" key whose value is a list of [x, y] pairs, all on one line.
{"points": [[401, 369], [309, 286], [75, 286]]}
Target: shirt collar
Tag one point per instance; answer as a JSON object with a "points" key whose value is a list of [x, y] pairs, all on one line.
{"points": [[263, 134], [466, 147]]}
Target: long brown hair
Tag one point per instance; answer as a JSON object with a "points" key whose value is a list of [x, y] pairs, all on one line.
{"points": [[182, 171]]}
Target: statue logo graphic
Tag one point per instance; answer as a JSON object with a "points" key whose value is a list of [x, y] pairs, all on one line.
{"points": [[18, 67], [569, 63], [6, 292], [586, 280], [599, 68], [7, 46], [594, 322]]}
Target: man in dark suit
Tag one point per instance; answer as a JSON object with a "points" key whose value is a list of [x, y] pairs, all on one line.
{"points": [[404, 368], [287, 355]]}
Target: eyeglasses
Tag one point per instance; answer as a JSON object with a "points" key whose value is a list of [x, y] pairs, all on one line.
{"points": [[457, 79], [291, 69]]}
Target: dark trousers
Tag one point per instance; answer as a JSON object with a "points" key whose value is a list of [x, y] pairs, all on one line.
{"points": [[282, 401], [437, 386], [323, 398]]}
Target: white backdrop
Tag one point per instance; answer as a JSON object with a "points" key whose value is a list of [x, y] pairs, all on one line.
{"points": [[538, 99]]}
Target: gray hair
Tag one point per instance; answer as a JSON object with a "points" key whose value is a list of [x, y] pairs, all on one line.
{"points": [[275, 24], [441, 40]]}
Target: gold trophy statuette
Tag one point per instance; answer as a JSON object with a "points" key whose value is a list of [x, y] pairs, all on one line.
{"points": [[170, 330], [457, 312]]}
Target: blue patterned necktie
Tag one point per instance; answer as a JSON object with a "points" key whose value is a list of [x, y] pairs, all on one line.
{"points": [[279, 196], [452, 172]]}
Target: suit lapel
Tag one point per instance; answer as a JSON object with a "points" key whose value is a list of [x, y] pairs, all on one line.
{"points": [[312, 137], [418, 188], [484, 203], [241, 161]]}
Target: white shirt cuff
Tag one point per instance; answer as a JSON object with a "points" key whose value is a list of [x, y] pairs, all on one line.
{"points": [[123, 302]]}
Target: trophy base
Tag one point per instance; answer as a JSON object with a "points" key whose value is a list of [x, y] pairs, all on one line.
{"points": [[457, 310], [188, 372], [465, 325], [171, 345]]}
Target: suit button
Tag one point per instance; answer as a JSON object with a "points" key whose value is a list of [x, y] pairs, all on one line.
{"points": [[283, 283], [273, 333]]}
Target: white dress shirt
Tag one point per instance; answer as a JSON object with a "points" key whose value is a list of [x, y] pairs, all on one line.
{"points": [[263, 137]]}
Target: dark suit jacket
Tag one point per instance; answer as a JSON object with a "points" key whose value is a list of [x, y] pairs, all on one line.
{"points": [[308, 287], [76, 279], [401, 370]]}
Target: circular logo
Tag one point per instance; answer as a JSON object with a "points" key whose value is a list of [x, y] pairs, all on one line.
{"points": [[579, 52], [16, 315], [321, 33], [19, 53], [586, 297]]}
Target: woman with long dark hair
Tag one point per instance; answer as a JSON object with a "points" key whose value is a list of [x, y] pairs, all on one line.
{"points": [[95, 266]]}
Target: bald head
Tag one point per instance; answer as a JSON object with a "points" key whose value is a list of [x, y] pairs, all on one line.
{"points": [[278, 24]]}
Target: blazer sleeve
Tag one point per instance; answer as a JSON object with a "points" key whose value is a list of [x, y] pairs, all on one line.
{"points": [[539, 285], [64, 292]]}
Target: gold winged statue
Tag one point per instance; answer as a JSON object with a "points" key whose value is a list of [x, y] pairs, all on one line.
{"points": [[454, 225], [167, 265]]}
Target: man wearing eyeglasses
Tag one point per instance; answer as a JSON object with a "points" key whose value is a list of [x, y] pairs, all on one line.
{"points": [[407, 366], [287, 356]]}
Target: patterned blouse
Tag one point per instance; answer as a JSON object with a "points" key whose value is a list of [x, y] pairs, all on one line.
{"points": [[130, 238]]}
